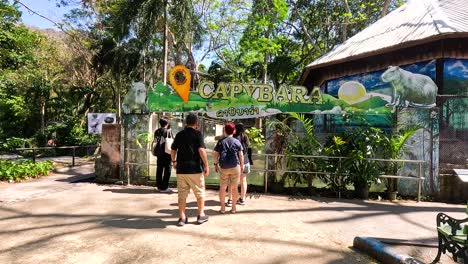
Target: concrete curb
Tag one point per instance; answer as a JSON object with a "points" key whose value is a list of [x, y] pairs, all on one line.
{"points": [[68, 168], [62, 169], [382, 253]]}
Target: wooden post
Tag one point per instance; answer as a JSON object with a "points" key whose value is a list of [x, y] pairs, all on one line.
{"points": [[419, 182], [266, 174], [73, 159]]}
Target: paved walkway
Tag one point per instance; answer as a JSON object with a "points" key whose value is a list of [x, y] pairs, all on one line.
{"points": [[52, 220]]}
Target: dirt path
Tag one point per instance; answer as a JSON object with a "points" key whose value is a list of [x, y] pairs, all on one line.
{"points": [[55, 221]]}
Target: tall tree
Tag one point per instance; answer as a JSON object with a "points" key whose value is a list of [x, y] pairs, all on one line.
{"points": [[17, 45], [261, 39]]}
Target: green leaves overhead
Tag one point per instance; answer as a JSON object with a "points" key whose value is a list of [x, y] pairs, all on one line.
{"points": [[16, 41], [58, 77], [261, 37]]}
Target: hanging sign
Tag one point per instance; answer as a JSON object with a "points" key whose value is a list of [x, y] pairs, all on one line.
{"points": [[250, 100], [234, 100], [95, 121], [180, 78]]}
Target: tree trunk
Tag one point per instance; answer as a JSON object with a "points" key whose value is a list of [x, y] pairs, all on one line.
{"points": [[265, 70], [165, 45], [385, 8], [119, 102], [344, 27], [42, 116]]}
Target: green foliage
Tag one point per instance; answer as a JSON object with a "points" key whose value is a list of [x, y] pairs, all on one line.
{"points": [[281, 132], [11, 143], [393, 148], [14, 115], [143, 139], [334, 173], [16, 41], [49, 81], [218, 73], [363, 144], [22, 169], [349, 155], [256, 138], [66, 133], [278, 134], [306, 145], [261, 38]]}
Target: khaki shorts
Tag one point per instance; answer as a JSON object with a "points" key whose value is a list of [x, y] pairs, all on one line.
{"points": [[230, 175], [185, 182]]}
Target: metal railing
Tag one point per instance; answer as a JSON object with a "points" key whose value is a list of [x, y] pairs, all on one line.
{"points": [[36, 150], [265, 170], [418, 178]]}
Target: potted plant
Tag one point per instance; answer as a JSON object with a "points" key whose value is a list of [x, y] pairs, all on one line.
{"points": [[256, 138], [361, 147], [278, 134], [393, 148], [335, 175], [305, 144]]}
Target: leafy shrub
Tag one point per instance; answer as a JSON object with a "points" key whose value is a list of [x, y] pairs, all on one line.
{"points": [[11, 143], [334, 174], [256, 138], [361, 145], [66, 133], [22, 169], [306, 144]]}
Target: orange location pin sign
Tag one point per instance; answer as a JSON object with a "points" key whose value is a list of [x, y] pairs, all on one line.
{"points": [[180, 78]]}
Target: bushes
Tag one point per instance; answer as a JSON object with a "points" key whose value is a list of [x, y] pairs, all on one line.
{"points": [[66, 133], [257, 140], [22, 169], [346, 158], [11, 143]]}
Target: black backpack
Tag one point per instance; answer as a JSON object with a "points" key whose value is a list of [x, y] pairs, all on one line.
{"points": [[159, 142], [227, 154]]}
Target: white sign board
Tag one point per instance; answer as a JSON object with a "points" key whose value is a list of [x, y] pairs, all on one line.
{"points": [[95, 121]]}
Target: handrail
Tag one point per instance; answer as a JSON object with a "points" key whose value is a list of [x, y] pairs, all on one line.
{"points": [[53, 147], [310, 156], [419, 163], [419, 178], [337, 157], [62, 147]]}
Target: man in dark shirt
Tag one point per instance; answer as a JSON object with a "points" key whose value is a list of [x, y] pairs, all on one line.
{"points": [[191, 167], [163, 171]]}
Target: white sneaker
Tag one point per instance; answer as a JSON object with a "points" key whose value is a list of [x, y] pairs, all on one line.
{"points": [[168, 190]]}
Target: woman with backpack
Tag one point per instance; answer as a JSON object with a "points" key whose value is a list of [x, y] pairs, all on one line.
{"points": [[229, 162], [247, 151]]}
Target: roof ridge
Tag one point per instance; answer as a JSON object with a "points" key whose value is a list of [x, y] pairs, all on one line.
{"points": [[416, 20], [371, 27], [441, 22]]}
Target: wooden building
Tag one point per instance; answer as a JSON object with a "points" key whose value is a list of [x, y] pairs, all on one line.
{"points": [[428, 37]]}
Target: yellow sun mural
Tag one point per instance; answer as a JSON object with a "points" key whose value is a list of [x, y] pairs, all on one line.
{"points": [[351, 92]]}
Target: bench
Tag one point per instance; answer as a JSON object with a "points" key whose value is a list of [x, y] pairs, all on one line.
{"points": [[453, 237]]}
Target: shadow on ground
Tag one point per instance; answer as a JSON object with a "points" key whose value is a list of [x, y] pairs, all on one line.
{"points": [[91, 222]]}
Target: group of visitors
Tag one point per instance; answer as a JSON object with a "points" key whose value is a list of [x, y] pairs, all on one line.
{"points": [[232, 159]]}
